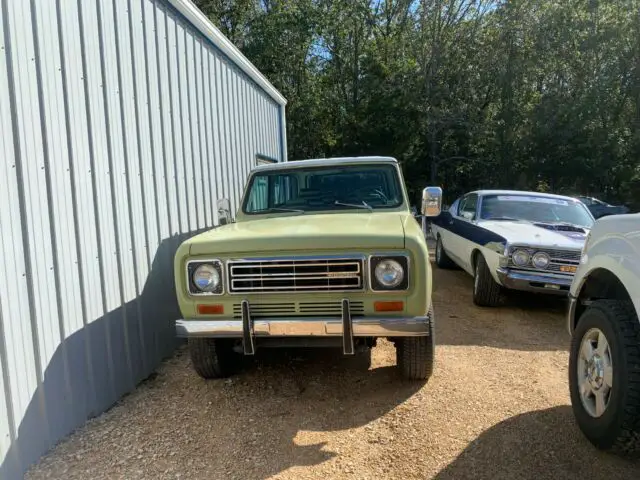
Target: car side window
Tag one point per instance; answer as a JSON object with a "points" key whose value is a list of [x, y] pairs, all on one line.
{"points": [[285, 188], [258, 198], [468, 207], [453, 209]]}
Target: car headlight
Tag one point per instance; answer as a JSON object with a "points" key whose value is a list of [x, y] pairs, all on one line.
{"points": [[205, 277], [520, 258], [389, 273], [540, 260]]}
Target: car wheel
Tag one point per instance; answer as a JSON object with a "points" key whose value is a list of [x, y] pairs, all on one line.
{"points": [[415, 355], [486, 291], [604, 376], [213, 358], [442, 259]]}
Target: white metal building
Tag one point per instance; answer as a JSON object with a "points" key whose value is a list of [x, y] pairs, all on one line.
{"points": [[122, 122]]}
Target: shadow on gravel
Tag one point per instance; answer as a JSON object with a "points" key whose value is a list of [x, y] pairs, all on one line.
{"points": [[543, 444], [289, 393], [525, 321]]}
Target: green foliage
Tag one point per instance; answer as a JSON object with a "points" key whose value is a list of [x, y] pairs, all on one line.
{"points": [[528, 94]]}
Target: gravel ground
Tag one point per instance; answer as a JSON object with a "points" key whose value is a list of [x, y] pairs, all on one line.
{"points": [[497, 407]]}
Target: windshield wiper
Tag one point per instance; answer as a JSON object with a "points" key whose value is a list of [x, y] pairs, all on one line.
{"points": [[355, 205], [564, 224], [504, 218], [280, 209]]}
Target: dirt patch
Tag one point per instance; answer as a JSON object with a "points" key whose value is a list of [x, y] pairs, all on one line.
{"points": [[496, 407]]}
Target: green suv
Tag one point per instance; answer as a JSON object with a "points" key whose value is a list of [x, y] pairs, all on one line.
{"points": [[322, 253]]}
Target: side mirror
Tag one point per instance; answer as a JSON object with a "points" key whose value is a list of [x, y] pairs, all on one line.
{"points": [[431, 201], [224, 211]]}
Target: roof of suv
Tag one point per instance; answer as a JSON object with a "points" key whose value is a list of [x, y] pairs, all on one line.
{"points": [[325, 162]]}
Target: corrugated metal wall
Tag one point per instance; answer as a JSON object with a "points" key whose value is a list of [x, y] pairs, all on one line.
{"points": [[121, 124]]}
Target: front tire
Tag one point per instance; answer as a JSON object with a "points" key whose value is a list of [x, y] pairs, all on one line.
{"points": [[486, 291], [604, 376], [442, 259], [415, 355], [212, 357]]}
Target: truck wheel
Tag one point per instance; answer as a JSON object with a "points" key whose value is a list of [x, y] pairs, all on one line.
{"points": [[415, 355], [486, 291], [211, 357], [604, 376], [442, 259]]}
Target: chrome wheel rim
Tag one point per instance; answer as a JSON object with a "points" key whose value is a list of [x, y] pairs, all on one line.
{"points": [[438, 249], [595, 372]]}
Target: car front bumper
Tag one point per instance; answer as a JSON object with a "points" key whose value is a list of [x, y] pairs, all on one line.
{"points": [[346, 327], [535, 282]]}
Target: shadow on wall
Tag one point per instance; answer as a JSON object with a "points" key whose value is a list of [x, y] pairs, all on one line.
{"points": [[543, 444], [98, 364]]}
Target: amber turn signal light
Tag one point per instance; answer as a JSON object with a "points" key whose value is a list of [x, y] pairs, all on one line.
{"points": [[210, 309], [388, 306]]}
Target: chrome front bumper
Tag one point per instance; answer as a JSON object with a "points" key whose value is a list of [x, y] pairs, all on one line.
{"points": [[248, 328], [535, 282]]}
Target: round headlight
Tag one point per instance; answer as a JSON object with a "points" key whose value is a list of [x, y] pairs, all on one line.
{"points": [[206, 278], [520, 258], [540, 260], [389, 273]]}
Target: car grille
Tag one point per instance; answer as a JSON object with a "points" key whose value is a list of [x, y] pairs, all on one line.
{"points": [[559, 259], [299, 309], [296, 275]]}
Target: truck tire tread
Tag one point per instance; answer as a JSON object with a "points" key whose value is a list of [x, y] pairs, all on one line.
{"points": [[211, 358], [625, 439]]}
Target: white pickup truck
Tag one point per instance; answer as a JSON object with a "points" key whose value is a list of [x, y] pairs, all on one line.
{"points": [[604, 363]]}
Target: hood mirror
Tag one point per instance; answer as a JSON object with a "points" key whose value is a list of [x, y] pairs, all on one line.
{"points": [[224, 211], [431, 201]]}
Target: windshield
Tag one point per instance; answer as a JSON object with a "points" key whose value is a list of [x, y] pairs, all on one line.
{"points": [[535, 209], [367, 187]]}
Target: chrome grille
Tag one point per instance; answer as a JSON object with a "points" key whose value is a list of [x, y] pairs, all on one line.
{"points": [[559, 258], [299, 309], [296, 274]]}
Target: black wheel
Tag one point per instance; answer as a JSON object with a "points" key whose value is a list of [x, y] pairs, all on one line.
{"points": [[604, 376], [213, 358], [442, 259], [486, 291], [415, 355]]}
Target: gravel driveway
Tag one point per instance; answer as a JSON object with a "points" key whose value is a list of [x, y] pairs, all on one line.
{"points": [[497, 407]]}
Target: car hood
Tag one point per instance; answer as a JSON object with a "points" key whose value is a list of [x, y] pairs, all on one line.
{"points": [[526, 233], [340, 231]]}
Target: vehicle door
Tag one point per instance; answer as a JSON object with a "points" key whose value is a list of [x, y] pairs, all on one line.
{"points": [[444, 224], [464, 230]]}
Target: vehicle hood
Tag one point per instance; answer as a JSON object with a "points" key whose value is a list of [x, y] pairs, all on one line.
{"points": [[309, 232], [530, 234]]}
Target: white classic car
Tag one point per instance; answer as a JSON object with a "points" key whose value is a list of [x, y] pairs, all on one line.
{"points": [[604, 359], [512, 239]]}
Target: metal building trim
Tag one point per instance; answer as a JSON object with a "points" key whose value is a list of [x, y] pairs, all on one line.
{"points": [[208, 29]]}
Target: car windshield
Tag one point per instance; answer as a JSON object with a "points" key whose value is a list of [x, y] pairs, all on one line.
{"points": [[535, 209], [367, 187]]}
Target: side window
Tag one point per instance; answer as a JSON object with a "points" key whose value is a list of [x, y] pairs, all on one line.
{"points": [[258, 198], [468, 207], [453, 209], [285, 189]]}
